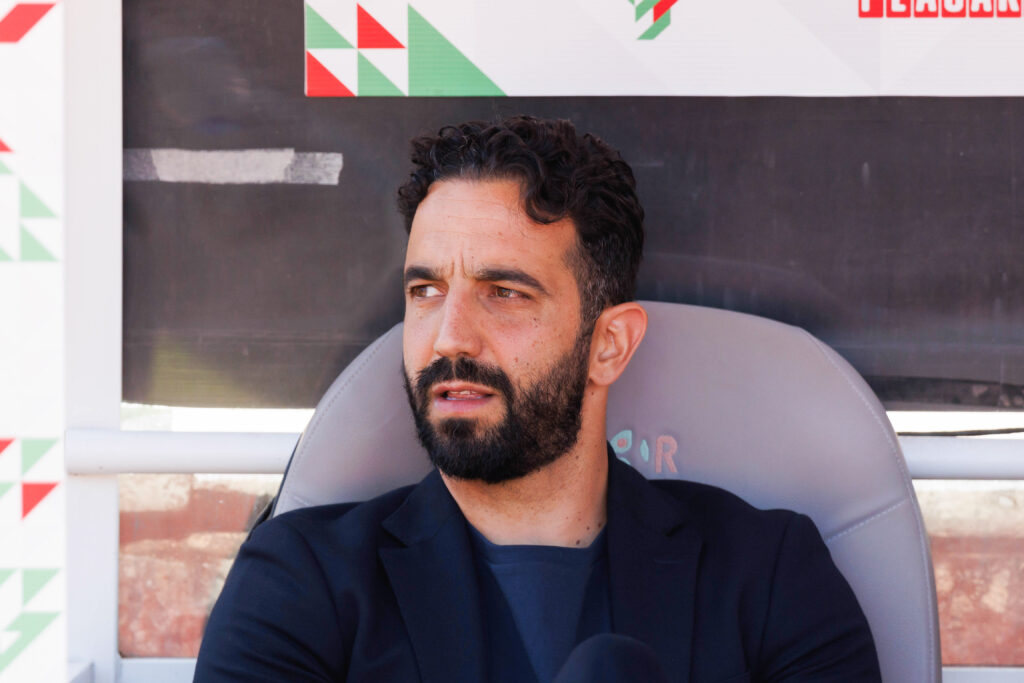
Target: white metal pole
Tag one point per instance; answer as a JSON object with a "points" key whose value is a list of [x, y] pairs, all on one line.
{"points": [[92, 318]]}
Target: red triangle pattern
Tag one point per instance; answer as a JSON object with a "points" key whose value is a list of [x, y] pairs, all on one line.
{"points": [[322, 83], [4, 147], [33, 494], [4, 443], [372, 34], [661, 7], [20, 20]]}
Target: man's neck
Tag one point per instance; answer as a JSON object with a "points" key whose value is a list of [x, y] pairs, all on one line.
{"points": [[562, 504]]}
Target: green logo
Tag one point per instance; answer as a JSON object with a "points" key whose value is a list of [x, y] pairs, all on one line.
{"points": [[660, 16]]}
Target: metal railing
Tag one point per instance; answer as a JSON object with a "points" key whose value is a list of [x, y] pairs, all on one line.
{"points": [[111, 451]]}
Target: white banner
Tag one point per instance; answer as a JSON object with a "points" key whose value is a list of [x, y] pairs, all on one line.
{"points": [[665, 47]]}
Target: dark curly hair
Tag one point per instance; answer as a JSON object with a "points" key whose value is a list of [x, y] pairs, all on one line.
{"points": [[563, 175]]}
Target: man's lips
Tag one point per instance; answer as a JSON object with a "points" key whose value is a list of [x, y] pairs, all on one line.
{"points": [[460, 396], [460, 391]]}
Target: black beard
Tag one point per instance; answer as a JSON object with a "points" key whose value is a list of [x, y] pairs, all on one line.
{"points": [[541, 423]]}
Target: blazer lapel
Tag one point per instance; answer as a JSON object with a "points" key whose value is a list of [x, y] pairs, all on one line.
{"points": [[652, 567], [435, 582]]}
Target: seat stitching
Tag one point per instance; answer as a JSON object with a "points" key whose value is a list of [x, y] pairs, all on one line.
{"points": [[858, 525], [894, 450]]}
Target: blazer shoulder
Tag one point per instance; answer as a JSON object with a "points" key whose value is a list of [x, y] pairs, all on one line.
{"points": [[717, 510], [296, 593], [355, 523]]}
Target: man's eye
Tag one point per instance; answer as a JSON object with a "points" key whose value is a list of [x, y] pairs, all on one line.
{"points": [[506, 293], [424, 291]]}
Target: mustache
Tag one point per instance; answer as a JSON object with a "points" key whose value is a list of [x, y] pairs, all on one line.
{"points": [[465, 369]]}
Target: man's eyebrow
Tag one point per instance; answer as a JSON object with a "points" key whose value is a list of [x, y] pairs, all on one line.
{"points": [[510, 275], [420, 273], [484, 274]]}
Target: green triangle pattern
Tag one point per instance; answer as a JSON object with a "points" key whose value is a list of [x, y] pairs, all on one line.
{"points": [[32, 450], [4, 256], [644, 7], [3, 169], [33, 580], [32, 249], [321, 34], [5, 574], [32, 206], [373, 83], [436, 67], [657, 27], [28, 625], [5, 486]]}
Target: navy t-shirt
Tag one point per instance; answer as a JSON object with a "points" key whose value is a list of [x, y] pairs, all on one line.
{"points": [[539, 602]]}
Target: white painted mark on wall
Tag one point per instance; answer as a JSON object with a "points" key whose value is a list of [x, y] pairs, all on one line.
{"points": [[233, 167]]}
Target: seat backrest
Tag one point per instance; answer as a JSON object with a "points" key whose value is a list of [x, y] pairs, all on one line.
{"points": [[762, 409]]}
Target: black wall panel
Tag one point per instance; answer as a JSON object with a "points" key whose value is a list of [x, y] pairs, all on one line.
{"points": [[891, 228]]}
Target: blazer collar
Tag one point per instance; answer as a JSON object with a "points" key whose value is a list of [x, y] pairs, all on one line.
{"points": [[435, 583], [427, 509], [653, 555]]}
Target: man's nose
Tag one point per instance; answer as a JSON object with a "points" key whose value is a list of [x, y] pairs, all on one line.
{"points": [[457, 333]]}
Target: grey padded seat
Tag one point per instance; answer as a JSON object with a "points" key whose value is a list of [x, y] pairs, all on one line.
{"points": [[762, 409]]}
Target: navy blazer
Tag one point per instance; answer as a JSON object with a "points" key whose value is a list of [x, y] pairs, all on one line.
{"points": [[387, 591]]}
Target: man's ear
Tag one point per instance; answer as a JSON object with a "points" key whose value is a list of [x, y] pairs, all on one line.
{"points": [[617, 334]]}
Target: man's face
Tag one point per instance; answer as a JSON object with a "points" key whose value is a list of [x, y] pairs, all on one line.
{"points": [[495, 363]]}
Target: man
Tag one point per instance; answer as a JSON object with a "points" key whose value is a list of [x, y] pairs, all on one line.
{"points": [[530, 543]]}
